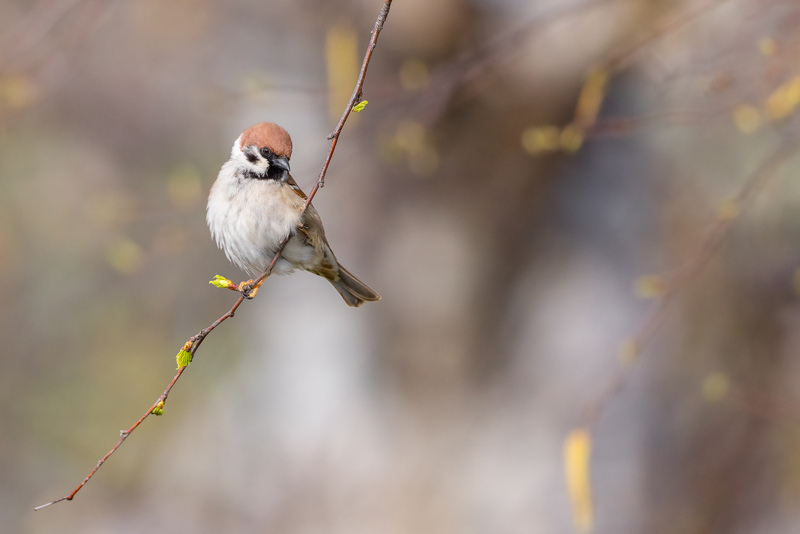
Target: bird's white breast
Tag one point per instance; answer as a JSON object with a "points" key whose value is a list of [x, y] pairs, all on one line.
{"points": [[249, 217]]}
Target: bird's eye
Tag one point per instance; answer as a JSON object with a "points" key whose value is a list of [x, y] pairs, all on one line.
{"points": [[267, 153]]}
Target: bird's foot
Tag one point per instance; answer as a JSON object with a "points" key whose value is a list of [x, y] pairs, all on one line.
{"points": [[248, 289]]}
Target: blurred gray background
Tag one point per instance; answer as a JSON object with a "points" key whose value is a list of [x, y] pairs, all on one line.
{"points": [[507, 275]]}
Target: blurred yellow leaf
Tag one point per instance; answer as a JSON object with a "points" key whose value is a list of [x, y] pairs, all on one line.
{"points": [[124, 255], [793, 91], [342, 59], [360, 106], [410, 135], [628, 352], [716, 387], [783, 100], [537, 139], [571, 138], [591, 98], [16, 92], [414, 75], [184, 187], [650, 286], [577, 464], [729, 209], [412, 142], [767, 46], [747, 118]]}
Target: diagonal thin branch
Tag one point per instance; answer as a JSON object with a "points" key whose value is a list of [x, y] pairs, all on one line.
{"points": [[714, 236], [194, 342]]}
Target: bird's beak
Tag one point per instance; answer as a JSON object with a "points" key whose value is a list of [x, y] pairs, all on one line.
{"points": [[281, 163]]}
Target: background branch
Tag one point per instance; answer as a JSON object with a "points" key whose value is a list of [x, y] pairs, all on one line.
{"points": [[671, 284]]}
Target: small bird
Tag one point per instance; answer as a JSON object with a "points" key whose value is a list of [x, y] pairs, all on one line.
{"points": [[255, 203]]}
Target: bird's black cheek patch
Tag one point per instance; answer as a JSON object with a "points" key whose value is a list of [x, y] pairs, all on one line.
{"points": [[250, 154], [254, 175], [276, 173]]}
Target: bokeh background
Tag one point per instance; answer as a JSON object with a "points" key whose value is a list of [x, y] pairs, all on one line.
{"points": [[507, 226]]}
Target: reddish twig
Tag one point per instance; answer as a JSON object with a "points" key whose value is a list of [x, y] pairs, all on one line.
{"points": [[194, 342], [123, 435], [355, 98]]}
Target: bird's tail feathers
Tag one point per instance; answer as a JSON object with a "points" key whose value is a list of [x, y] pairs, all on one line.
{"points": [[353, 291]]}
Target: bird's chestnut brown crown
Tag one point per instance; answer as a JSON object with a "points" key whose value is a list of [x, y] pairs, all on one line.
{"points": [[269, 136]]}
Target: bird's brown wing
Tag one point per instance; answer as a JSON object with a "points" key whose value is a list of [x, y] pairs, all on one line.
{"points": [[296, 188], [313, 234]]}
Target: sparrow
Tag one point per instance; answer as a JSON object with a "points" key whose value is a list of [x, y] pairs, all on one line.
{"points": [[255, 203]]}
